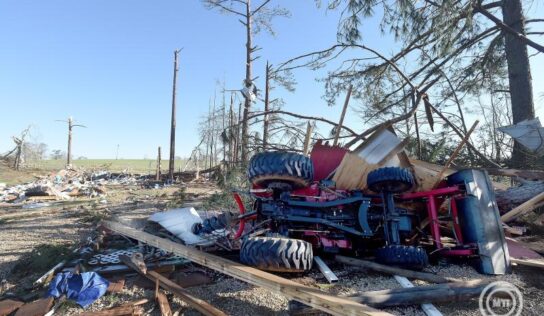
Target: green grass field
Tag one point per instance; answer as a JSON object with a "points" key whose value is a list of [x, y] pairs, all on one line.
{"points": [[130, 165]]}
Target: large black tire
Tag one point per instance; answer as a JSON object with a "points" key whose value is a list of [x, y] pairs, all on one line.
{"points": [[390, 179], [269, 167], [403, 256], [277, 254]]}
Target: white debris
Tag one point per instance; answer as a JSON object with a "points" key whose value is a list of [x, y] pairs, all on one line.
{"points": [[180, 222]]}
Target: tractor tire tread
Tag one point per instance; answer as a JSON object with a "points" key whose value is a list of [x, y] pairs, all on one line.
{"points": [[281, 166], [277, 254], [403, 256]]}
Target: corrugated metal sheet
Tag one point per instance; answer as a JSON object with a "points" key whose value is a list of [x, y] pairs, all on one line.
{"points": [[529, 133]]}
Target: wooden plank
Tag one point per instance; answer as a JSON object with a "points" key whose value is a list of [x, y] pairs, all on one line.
{"points": [[164, 305], [376, 151], [200, 305], [36, 308], [523, 208], [528, 262], [9, 306], [428, 309], [292, 290], [136, 263], [116, 311], [116, 285], [429, 277]]}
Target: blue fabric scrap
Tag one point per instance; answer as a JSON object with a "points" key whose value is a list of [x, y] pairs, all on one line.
{"points": [[84, 288]]}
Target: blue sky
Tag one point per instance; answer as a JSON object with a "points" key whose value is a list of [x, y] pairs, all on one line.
{"points": [[109, 65]]}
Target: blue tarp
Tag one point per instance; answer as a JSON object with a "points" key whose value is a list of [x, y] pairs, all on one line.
{"points": [[84, 288]]}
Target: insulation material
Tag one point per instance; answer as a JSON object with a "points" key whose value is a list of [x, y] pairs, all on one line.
{"points": [[180, 223]]}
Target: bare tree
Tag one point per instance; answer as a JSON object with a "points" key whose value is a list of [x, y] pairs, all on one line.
{"points": [[254, 17]]}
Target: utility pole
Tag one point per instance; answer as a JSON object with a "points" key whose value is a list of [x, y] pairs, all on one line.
{"points": [[71, 125], [173, 122]]}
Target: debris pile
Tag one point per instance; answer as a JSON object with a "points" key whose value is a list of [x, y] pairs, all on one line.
{"points": [[65, 185], [325, 213]]}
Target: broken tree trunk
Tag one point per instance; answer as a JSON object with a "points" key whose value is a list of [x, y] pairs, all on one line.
{"points": [[424, 276], [436, 293], [515, 196]]}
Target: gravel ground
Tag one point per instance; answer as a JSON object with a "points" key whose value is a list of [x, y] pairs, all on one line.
{"points": [[20, 236]]}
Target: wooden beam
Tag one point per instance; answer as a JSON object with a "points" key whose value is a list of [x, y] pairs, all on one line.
{"points": [[529, 263], [309, 130], [523, 208], [341, 122], [310, 296], [429, 277]]}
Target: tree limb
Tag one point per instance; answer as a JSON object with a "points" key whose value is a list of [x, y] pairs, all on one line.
{"points": [[510, 30]]}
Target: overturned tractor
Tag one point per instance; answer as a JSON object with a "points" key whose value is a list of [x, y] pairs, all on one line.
{"points": [[298, 210]]}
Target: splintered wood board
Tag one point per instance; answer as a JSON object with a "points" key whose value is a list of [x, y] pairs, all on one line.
{"points": [[377, 150], [310, 296]]}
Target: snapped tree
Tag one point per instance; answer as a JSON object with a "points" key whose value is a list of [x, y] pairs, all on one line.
{"points": [[254, 17]]}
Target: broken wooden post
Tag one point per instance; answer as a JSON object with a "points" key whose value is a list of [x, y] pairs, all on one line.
{"points": [[341, 122], [455, 153], [309, 130]]}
